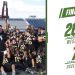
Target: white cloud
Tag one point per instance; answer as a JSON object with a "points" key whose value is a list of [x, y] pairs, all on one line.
{"points": [[18, 8]]}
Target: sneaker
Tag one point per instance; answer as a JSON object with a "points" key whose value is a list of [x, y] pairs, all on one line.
{"points": [[13, 73], [32, 72], [4, 73]]}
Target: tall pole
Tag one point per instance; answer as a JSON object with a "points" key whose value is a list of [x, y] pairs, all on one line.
{"points": [[5, 13], [6, 24]]}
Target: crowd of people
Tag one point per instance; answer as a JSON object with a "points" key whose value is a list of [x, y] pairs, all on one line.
{"points": [[24, 50]]}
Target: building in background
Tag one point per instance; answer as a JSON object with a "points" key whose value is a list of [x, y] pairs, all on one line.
{"points": [[23, 23]]}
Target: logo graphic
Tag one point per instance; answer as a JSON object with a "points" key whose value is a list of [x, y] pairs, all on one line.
{"points": [[67, 12], [69, 34]]}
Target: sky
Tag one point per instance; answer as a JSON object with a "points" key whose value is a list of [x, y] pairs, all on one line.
{"points": [[25, 8]]}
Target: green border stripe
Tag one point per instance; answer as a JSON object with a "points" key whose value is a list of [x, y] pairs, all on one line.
{"points": [[61, 12]]}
